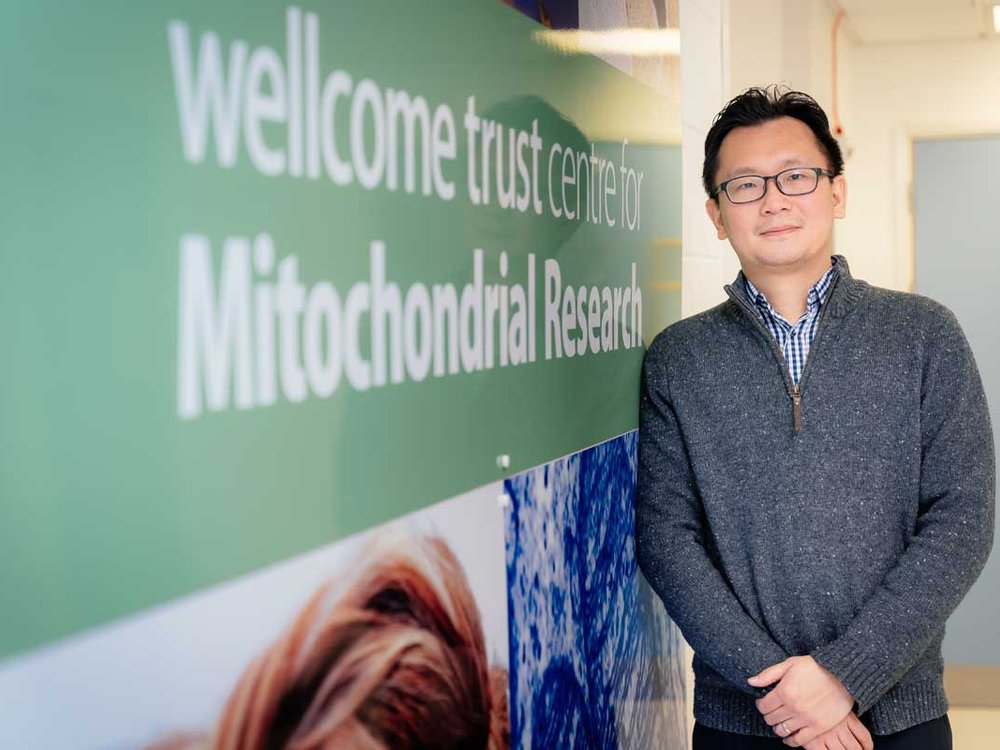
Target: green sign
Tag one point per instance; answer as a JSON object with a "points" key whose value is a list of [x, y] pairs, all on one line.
{"points": [[273, 275]]}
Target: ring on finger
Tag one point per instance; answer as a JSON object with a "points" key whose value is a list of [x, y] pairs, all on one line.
{"points": [[784, 728]]}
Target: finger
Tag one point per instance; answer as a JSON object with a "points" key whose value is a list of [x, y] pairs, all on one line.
{"points": [[786, 729], [801, 737], [770, 675], [861, 733], [847, 740], [777, 716], [858, 729], [771, 702]]}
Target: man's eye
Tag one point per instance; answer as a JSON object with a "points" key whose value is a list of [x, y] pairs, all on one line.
{"points": [[748, 185], [795, 176]]}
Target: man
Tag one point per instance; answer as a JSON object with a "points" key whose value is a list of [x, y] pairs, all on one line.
{"points": [[816, 481]]}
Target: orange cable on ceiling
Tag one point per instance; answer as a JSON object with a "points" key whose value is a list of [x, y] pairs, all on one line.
{"points": [[838, 128]]}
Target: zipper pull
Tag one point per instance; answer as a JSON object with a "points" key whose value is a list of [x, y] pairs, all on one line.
{"points": [[796, 408]]}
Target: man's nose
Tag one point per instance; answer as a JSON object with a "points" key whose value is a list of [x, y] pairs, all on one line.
{"points": [[773, 200]]}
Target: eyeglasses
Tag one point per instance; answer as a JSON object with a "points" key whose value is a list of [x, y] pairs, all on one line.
{"points": [[748, 188]]}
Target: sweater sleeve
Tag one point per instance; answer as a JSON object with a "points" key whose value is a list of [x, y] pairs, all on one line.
{"points": [[671, 547], [953, 534]]}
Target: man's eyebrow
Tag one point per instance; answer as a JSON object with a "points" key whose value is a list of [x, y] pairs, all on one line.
{"points": [[740, 171]]}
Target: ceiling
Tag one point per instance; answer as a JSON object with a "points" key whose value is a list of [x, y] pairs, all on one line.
{"points": [[880, 21]]}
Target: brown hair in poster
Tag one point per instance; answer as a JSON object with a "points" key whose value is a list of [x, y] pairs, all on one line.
{"points": [[396, 659]]}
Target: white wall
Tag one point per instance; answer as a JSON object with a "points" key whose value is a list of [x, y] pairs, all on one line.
{"points": [[897, 92], [707, 263], [782, 41]]}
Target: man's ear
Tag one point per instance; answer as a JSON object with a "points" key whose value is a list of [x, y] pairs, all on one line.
{"points": [[838, 189], [715, 214]]}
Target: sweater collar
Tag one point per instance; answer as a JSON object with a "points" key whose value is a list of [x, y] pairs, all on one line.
{"points": [[845, 291]]}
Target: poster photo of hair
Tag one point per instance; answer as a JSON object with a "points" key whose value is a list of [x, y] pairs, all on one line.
{"points": [[395, 658]]}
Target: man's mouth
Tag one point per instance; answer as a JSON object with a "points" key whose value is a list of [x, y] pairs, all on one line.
{"points": [[779, 230]]}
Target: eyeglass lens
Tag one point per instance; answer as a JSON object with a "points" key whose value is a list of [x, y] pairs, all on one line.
{"points": [[790, 182]]}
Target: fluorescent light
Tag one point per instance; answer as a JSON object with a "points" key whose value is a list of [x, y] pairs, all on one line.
{"points": [[637, 42], [996, 18]]}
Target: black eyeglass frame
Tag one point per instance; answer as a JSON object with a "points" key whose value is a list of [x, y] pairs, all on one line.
{"points": [[819, 171]]}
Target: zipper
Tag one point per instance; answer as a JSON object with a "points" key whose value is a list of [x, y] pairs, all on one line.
{"points": [[794, 389], [796, 408]]}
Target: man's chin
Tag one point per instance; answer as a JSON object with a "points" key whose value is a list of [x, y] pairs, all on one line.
{"points": [[788, 258]]}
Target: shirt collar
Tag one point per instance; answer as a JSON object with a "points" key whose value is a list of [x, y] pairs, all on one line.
{"points": [[814, 298]]}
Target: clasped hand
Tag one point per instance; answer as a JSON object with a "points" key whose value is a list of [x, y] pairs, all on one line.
{"points": [[809, 707]]}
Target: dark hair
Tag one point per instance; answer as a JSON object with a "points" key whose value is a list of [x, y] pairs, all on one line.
{"points": [[756, 106]]}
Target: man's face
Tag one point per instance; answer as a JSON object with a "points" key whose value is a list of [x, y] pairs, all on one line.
{"points": [[778, 231]]}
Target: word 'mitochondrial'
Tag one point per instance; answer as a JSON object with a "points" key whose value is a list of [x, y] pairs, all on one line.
{"points": [[259, 331]]}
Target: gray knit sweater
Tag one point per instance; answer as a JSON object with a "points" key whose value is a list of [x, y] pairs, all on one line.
{"points": [[852, 538]]}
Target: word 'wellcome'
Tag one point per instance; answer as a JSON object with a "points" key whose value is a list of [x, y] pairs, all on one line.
{"points": [[294, 120]]}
